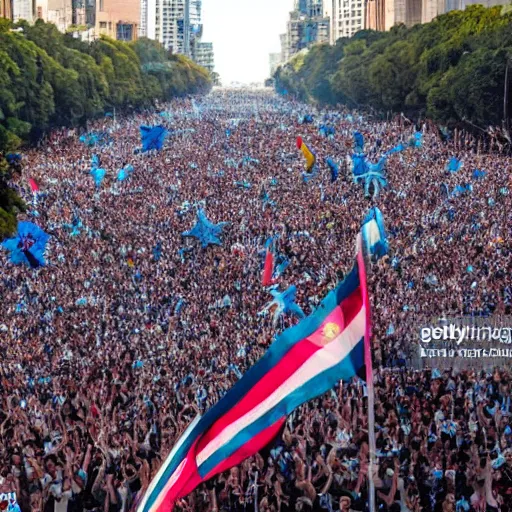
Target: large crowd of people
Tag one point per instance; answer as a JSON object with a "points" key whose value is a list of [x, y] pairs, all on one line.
{"points": [[131, 330]]}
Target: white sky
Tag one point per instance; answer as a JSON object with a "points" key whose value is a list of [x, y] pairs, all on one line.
{"points": [[243, 33]]}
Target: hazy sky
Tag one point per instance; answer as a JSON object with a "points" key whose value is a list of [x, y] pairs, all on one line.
{"points": [[243, 33]]}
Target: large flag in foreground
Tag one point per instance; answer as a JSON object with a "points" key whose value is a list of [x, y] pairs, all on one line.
{"points": [[304, 362]]}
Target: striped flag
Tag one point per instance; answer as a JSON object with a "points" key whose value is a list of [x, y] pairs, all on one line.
{"points": [[304, 362], [374, 234], [308, 154]]}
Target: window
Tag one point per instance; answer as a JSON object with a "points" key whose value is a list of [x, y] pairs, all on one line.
{"points": [[124, 32], [103, 25]]}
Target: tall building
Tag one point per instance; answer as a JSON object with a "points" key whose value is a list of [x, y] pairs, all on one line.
{"points": [[6, 9], [376, 15], [118, 19], [429, 10], [24, 10], [407, 12], [306, 26], [433, 8], [84, 12], [58, 12], [205, 56], [384, 14], [177, 24], [347, 17], [164, 21], [283, 38]]}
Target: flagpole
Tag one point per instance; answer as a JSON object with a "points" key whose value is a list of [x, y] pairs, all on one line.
{"points": [[369, 375]]}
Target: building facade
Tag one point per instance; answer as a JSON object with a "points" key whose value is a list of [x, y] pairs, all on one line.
{"points": [[177, 25], [205, 56], [58, 12], [346, 17], [164, 21], [283, 38], [376, 15], [118, 19], [194, 26], [407, 12], [307, 25], [384, 14], [24, 10], [6, 9]]}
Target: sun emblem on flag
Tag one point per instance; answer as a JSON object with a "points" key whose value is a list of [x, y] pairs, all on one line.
{"points": [[331, 330]]}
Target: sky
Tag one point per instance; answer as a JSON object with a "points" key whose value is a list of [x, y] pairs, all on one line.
{"points": [[243, 33]]}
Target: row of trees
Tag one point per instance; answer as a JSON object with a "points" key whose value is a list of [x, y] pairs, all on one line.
{"points": [[449, 70], [49, 79]]}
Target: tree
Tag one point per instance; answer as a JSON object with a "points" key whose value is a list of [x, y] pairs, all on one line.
{"points": [[49, 79], [450, 69]]}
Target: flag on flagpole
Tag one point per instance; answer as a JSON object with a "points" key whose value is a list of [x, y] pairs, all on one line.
{"points": [[304, 362]]}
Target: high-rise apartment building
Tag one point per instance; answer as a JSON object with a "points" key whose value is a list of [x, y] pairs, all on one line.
{"points": [[177, 24], [6, 9], [24, 10], [205, 56], [306, 26], [283, 38], [194, 27], [164, 21], [346, 17]]}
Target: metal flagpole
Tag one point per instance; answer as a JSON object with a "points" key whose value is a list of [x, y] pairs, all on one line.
{"points": [[371, 435], [369, 375]]}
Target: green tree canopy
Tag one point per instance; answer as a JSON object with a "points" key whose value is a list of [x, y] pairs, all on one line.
{"points": [[49, 79], [450, 69]]}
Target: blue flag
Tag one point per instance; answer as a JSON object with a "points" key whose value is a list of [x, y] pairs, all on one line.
{"points": [[374, 234], [334, 169], [358, 142], [453, 165], [125, 173], [359, 165], [284, 303], [28, 246], [98, 175], [153, 137], [205, 231]]}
